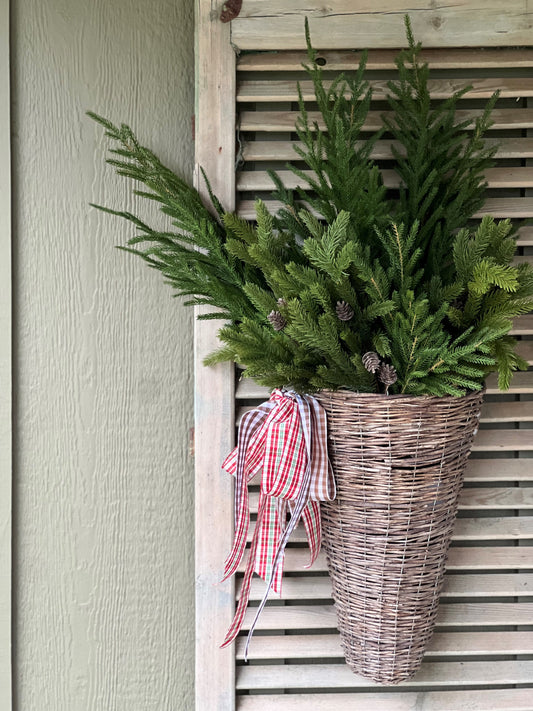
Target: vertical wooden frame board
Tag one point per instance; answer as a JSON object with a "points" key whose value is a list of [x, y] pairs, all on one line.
{"points": [[5, 366], [214, 387]]}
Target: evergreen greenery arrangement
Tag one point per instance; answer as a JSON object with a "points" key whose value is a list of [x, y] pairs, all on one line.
{"points": [[346, 287]]}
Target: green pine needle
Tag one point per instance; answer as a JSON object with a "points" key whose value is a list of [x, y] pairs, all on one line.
{"points": [[346, 266]]}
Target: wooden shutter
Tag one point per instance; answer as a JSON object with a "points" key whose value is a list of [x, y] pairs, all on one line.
{"points": [[481, 656]]}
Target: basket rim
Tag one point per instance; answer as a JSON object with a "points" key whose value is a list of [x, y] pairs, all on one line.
{"points": [[381, 397]]}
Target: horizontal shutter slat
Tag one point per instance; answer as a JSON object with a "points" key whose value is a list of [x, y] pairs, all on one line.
{"points": [[517, 208], [276, 121], [284, 150], [491, 412], [312, 676], [286, 90], [311, 646], [468, 558], [497, 497], [494, 470], [508, 528], [384, 59], [256, 181], [475, 614], [525, 237], [341, 24], [523, 325], [472, 498], [507, 412], [455, 586], [522, 382], [478, 700], [503, 441], [478, 470]]}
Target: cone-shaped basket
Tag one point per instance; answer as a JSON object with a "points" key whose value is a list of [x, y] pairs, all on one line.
{"points": [[399, 463]]}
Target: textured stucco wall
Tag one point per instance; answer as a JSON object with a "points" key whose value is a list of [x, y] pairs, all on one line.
{"points": [[103, 381]]}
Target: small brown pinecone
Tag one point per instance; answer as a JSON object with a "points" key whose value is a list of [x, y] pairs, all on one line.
{"points": [[344, 311], [387, 375], [277, 320], [282, 303], [371, 361]]}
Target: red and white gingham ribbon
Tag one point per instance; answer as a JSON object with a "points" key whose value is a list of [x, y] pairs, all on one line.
{"points": [[286, 438]]}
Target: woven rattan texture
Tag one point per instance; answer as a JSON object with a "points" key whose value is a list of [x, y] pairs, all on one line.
{"points": [[398, 464]]}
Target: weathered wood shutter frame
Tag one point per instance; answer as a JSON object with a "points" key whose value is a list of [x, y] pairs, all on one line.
{"points": [[270, 26], [344, 24], [5, 366], [214, 387]]}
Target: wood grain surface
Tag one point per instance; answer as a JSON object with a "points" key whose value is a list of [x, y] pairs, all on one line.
{"points": [[322, 617], [340, 61], [340, 24], [327, 646], [478, 700], [451, 674], [214, 387]]}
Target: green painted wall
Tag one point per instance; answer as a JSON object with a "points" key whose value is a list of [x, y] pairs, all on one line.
{"points": [[103, 487]]}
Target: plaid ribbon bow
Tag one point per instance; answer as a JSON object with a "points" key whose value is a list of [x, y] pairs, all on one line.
{"points": [[286, 438]]}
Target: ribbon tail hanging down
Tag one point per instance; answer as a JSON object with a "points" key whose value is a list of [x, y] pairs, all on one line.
{"points": [[244, 462], [300, 504], [281, 437], [238, 618]]}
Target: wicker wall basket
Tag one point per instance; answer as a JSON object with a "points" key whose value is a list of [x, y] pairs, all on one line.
{"points": [[399, 463]]}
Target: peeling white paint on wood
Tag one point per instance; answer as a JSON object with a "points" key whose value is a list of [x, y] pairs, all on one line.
{"points": [[104, 483]]}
